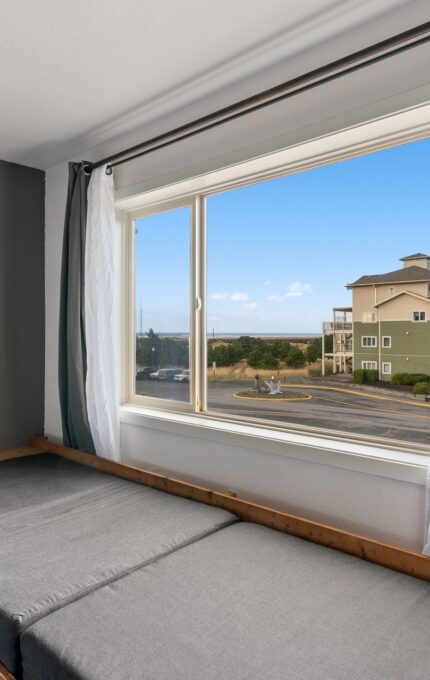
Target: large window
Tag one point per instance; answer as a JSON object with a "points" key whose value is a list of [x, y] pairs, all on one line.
{"points": [[270, 301]]}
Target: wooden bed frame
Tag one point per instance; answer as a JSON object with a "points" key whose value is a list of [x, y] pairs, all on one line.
{"points": [[390, 556]]}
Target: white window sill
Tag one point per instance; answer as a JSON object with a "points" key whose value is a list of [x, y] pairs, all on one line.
{"points": [[375, 459]]}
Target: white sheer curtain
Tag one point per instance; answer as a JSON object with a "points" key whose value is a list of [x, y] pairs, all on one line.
{"points": [[102, 365]]}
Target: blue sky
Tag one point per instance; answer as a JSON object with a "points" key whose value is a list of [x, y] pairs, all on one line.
{"points": [[281, 252]]}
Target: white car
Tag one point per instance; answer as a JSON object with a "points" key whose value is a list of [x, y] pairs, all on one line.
{"points": [[183, 377], [164, 374]]}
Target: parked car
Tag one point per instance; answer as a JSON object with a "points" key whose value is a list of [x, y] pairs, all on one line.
{"points": [[164, 374], [144, 372], [183, 377]]}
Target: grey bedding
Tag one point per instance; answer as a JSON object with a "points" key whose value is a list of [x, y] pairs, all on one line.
{"points": [[246, 603], [75, 530]]}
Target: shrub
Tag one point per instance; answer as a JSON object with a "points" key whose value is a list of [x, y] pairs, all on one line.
{"points": [[371, 375], [400, 379], [418, 377], [359, 376], [422, 387], [409, 378]]}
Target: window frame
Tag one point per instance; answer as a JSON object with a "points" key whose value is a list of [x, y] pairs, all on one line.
{"points": [[419, 312], [373, 367], [386, 363], [386, 337], [369, 337], [149, 197]]}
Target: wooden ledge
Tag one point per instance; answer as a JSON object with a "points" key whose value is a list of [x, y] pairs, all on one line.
{"points": [[10, 454], [384, 554], [4, 674]]}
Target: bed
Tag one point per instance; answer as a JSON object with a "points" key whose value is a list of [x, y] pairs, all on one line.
{"points": [[112, 571], [70, 529]]}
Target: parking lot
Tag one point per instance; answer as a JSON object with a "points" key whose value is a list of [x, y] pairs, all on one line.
{"points": [[334, 409]]}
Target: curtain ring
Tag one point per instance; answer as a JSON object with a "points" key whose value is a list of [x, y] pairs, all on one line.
{"points": [[108, 170], [87, 169]]}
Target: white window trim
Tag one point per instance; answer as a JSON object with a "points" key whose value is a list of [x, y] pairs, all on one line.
{"points": [[369, 337], [373, 367], [405, 126], [386, 337], [419, 311], [386, 363]]}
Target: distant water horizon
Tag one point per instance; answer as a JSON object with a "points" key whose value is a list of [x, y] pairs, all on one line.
{"points": [[219, 335]]}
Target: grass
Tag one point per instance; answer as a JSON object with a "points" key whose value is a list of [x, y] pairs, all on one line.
{"points": [[241, 371]]}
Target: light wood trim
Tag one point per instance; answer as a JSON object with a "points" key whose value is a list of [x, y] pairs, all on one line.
{"points": [[391, 556], [5, 675], [10, 454]]}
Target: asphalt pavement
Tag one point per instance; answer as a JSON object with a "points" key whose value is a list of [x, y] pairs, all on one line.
{"points": [[333, 409]]}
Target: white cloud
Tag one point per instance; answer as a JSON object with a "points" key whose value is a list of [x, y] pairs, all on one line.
{"points": [[298, 287], [236, 296], [295, 290], [251, 305], [219, 296]]}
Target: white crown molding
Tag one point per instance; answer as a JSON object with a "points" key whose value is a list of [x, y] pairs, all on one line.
{"points": [[293, 45]]}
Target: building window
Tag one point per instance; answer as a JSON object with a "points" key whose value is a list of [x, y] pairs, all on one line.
{"points": [[418, 316], [369, 341], [392, 291], [386, 341], [369, 317], [369, 365], [386, 368]]}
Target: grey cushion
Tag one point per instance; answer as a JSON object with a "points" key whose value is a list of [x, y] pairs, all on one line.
{"points": [[244, 603], [83, 530], [29, 481]]}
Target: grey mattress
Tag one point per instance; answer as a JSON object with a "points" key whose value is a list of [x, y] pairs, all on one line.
{"points": [[79, 529], [246, 603]]}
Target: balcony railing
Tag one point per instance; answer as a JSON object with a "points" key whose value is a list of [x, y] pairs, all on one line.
{"points": [[337, 326]]}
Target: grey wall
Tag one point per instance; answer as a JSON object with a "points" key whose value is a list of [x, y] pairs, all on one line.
{"points": [[22, 314]]}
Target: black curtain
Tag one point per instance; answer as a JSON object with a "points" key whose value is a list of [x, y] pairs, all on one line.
{"points": [[72, 342]]}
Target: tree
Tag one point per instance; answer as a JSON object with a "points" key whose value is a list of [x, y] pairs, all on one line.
{"points": [[295, 358], [314, 348], [151, 350]]}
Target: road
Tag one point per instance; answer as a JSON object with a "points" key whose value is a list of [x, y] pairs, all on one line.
{"points": [[391, 417]]}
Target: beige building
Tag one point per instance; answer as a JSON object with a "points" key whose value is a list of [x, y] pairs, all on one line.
{"points": [[390, 321]]}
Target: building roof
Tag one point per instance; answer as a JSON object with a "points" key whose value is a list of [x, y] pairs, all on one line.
{"points": [[404, 292], [415, 256], [404, 275]]}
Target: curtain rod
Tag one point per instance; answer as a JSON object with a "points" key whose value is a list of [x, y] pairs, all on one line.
{"points": [[418, 35]]}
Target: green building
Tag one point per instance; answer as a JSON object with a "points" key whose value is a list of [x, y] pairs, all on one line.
{"points": [[389, 328]]}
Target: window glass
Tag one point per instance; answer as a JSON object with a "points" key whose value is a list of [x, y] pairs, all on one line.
{"points": [[162, 307], [295, 268]]}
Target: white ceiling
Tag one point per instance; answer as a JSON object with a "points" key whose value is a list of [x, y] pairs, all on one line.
{"points": [[75, 71]]}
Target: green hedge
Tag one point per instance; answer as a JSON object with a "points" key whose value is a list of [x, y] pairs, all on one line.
{"points": [[365, 375], [409, 378], [422, 387]]}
